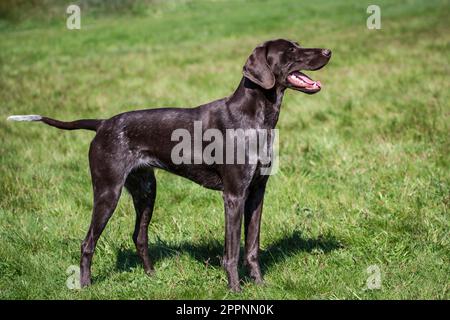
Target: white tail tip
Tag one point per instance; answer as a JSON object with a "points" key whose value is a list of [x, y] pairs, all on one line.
{"points": [[30, 117]]}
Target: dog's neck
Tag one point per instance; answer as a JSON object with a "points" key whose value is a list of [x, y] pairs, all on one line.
{"points": [[258, 103]]}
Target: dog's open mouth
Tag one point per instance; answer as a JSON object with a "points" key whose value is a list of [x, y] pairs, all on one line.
{"points": [[304, 83]]}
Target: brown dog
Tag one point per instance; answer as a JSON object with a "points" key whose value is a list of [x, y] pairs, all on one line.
{"points": [[128, 146]]}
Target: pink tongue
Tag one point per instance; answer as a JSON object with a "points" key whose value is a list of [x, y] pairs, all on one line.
{"points": [[307, 80], [310, 82]]}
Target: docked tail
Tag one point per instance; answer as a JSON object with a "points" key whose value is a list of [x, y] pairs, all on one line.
{"points": [[88, 124]]}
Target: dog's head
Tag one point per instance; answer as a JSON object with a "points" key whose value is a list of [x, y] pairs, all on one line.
{"points": [[278, 63]]}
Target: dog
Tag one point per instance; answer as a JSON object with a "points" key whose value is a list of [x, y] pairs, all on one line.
{"points": [[128, 147]]}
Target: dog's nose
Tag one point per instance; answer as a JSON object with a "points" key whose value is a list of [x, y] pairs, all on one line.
{"points": [[326, 52]]}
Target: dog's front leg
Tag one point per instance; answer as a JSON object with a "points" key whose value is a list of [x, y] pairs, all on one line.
{"points": [[252, 223], [234, 209]]}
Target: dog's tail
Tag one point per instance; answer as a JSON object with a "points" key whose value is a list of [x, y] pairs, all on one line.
{"points": [[87, 124]]}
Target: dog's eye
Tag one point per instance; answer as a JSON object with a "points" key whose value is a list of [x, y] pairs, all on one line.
{"points": [[291, 49]]}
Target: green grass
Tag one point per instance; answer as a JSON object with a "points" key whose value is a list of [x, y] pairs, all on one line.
{"points": [[364, 171]]}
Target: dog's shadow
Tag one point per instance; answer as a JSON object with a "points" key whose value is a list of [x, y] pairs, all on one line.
{"points": [[210, 252]]}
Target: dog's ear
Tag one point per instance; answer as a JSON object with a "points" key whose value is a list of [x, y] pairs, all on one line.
{"points": [[257, 69]]}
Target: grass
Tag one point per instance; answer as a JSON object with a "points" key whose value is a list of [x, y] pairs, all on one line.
{"points": [[364, 171]]}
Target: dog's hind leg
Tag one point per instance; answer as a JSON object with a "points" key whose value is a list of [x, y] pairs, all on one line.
{"points": [[108, 178], [141, 184]]}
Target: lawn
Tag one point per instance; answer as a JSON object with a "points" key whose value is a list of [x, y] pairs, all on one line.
{"points": [[364, 175]]}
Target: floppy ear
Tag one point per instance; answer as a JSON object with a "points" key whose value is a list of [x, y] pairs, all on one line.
{"points": [[257, 69]]}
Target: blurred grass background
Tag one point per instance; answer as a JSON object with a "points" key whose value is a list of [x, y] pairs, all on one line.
{"points": [[364, 169]]}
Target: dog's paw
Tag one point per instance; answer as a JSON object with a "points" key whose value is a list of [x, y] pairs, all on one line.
{"points": [[150, 272], [235, 288], [259, 281], [85, 282]]}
